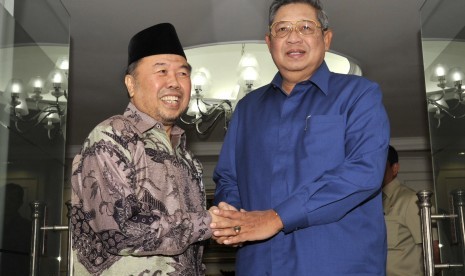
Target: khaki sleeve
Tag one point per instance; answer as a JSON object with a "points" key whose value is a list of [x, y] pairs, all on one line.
{"points": [[412, 218]]}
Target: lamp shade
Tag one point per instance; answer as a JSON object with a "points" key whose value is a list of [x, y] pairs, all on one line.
{"points": [[37, 83], [49, 115], [249, 73], [248, 60], [62, 63], [199, 79], [15, 87], [196, 107], [455, 75], [56, 77], [440, 70], [438, 73], [21, 109], [443, 103]]}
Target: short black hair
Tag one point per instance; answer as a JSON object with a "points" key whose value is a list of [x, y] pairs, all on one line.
{"points": [[392, 157]]}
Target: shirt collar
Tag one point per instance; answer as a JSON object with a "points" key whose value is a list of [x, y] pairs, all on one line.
{"points": [[320, 78], [144, 122], [391, 187]]}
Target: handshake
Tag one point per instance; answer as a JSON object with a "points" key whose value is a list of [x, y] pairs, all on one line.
{"points": [[234, 227]]}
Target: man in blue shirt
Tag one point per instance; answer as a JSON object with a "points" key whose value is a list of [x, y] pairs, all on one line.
{"points": [[304, 158]]}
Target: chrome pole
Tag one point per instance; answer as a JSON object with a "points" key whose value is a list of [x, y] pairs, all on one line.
{"points": [[424, 198], [458, 197], [70, 240], [37, 214], [36, 208], [57, 228]]}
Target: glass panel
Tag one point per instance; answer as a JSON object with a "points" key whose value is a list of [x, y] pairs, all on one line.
{"points": [[443, 42], [34, 35]]}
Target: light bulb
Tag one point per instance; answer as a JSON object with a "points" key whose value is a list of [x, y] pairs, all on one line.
{"points": [[57, 78], [199, 79], [440, 71], [249, 74], [16, 88]]}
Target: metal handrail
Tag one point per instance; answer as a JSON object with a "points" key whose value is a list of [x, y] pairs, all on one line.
{"points": [[424, 198], [37, 214]]}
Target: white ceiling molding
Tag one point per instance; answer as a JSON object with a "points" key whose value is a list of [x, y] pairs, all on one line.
{"points": [[410, 143]]}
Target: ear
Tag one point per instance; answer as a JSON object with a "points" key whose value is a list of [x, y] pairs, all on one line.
{"points": [[395, 169], [268, 41], [328, 37], [130, 84]]}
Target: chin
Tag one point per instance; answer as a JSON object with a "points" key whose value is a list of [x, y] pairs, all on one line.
{"points": [[169, 120]]}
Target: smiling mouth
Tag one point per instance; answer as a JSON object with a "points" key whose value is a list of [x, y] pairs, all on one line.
{"points": [[170, 99], [295, 52]]}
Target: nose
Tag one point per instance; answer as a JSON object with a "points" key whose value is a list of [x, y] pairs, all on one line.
{"points": [[172, 81], [294, 35]]}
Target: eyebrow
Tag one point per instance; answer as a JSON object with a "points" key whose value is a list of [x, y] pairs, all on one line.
{"points": [[187, 66], [161, 64]]}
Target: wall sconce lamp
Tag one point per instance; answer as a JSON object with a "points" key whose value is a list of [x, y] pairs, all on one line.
{"points": [[248, 68], [204, 114], [249, 75], [48, 112], [451, 93]]}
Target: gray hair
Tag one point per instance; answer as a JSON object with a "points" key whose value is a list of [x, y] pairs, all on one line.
{"points": [[322, 16], [132, 67]]}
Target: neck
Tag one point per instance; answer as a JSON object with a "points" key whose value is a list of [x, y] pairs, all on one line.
{"points": [[290, 79], [168, 130]]}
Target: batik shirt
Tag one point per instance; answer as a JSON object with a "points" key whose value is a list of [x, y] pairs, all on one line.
{"points": [[138, 201]]}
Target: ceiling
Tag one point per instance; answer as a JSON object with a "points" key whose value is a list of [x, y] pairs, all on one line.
{"points": [[384, 37]]}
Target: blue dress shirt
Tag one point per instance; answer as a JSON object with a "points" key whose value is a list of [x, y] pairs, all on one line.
{"points": [[317, 157]]}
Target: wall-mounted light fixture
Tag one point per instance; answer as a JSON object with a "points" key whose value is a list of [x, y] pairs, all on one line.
{"points": [[204, 113], [29, 108], [450, 97]]}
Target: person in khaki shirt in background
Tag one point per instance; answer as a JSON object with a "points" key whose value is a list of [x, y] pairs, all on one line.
{"points": [[402, 216]]}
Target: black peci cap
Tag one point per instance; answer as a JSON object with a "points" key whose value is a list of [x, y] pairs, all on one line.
{"points": [[156, 40]]}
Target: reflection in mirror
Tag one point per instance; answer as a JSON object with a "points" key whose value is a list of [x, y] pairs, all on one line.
{"points": [[16, 238], [36, 95], [443, 43], [34, 54]]}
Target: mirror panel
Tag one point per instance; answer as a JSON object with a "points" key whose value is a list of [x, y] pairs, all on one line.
{"points": [[34, 38], [443, 43]]}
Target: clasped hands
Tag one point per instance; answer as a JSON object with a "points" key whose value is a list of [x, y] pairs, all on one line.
{"points": [[234, 227]]}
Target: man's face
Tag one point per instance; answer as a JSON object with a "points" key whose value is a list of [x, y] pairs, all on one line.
{"points": [[296, 53], [161, 87]]}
